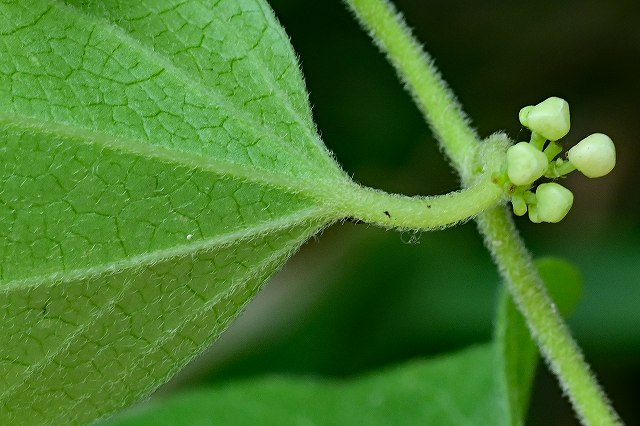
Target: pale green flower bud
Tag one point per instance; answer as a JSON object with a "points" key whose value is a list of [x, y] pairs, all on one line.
{"points": [[523, 114], [525, 164], [550, 118], [553, 202], [594, 155]]}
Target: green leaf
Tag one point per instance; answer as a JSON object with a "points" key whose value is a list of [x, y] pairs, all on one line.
{"points": [[458, 389], [518, 351], [563, 281], [158, 162], [519, 355]]}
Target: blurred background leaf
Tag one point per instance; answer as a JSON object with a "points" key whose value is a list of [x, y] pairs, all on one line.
{"points": [[457, 389], [358, 298]]}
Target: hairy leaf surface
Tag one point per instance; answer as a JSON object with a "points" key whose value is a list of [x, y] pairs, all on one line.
{"points": [[158, 162]]}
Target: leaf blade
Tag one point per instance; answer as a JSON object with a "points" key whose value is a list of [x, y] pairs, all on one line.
{"points": [[139, 87], [143, 201], [111, 345], [456, 389]]}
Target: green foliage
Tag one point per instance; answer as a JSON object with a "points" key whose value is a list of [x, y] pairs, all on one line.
{"points": [[460, 388], [517, 351], [158, 163], [450, 390]]}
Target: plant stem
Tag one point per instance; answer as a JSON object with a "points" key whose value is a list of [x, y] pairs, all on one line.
{"points": [[553, 149], [424, 213], [415, 68], [460, 143], [547, 327]]}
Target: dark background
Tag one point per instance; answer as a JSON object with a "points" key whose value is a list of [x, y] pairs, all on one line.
{"points": [[357, 298]]}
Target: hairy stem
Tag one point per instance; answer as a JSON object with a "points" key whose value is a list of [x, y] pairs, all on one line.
{"points": [[424, 213], [545, 323], [460, 143], [421, 78]]}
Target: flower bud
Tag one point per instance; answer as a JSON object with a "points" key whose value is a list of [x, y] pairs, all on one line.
{"points": [[594, 156], [553, 202], [525, 164], [550, 118]]}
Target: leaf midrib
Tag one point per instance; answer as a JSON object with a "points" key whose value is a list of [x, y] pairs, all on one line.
{"points": [[315, 188]]}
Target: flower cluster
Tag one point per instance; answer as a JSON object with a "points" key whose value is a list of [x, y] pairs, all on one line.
{"points": [[527, 162]]}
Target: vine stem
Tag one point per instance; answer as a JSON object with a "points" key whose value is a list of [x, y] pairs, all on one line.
{"points": [[545, 323], [460, 143], [422, 79]]}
